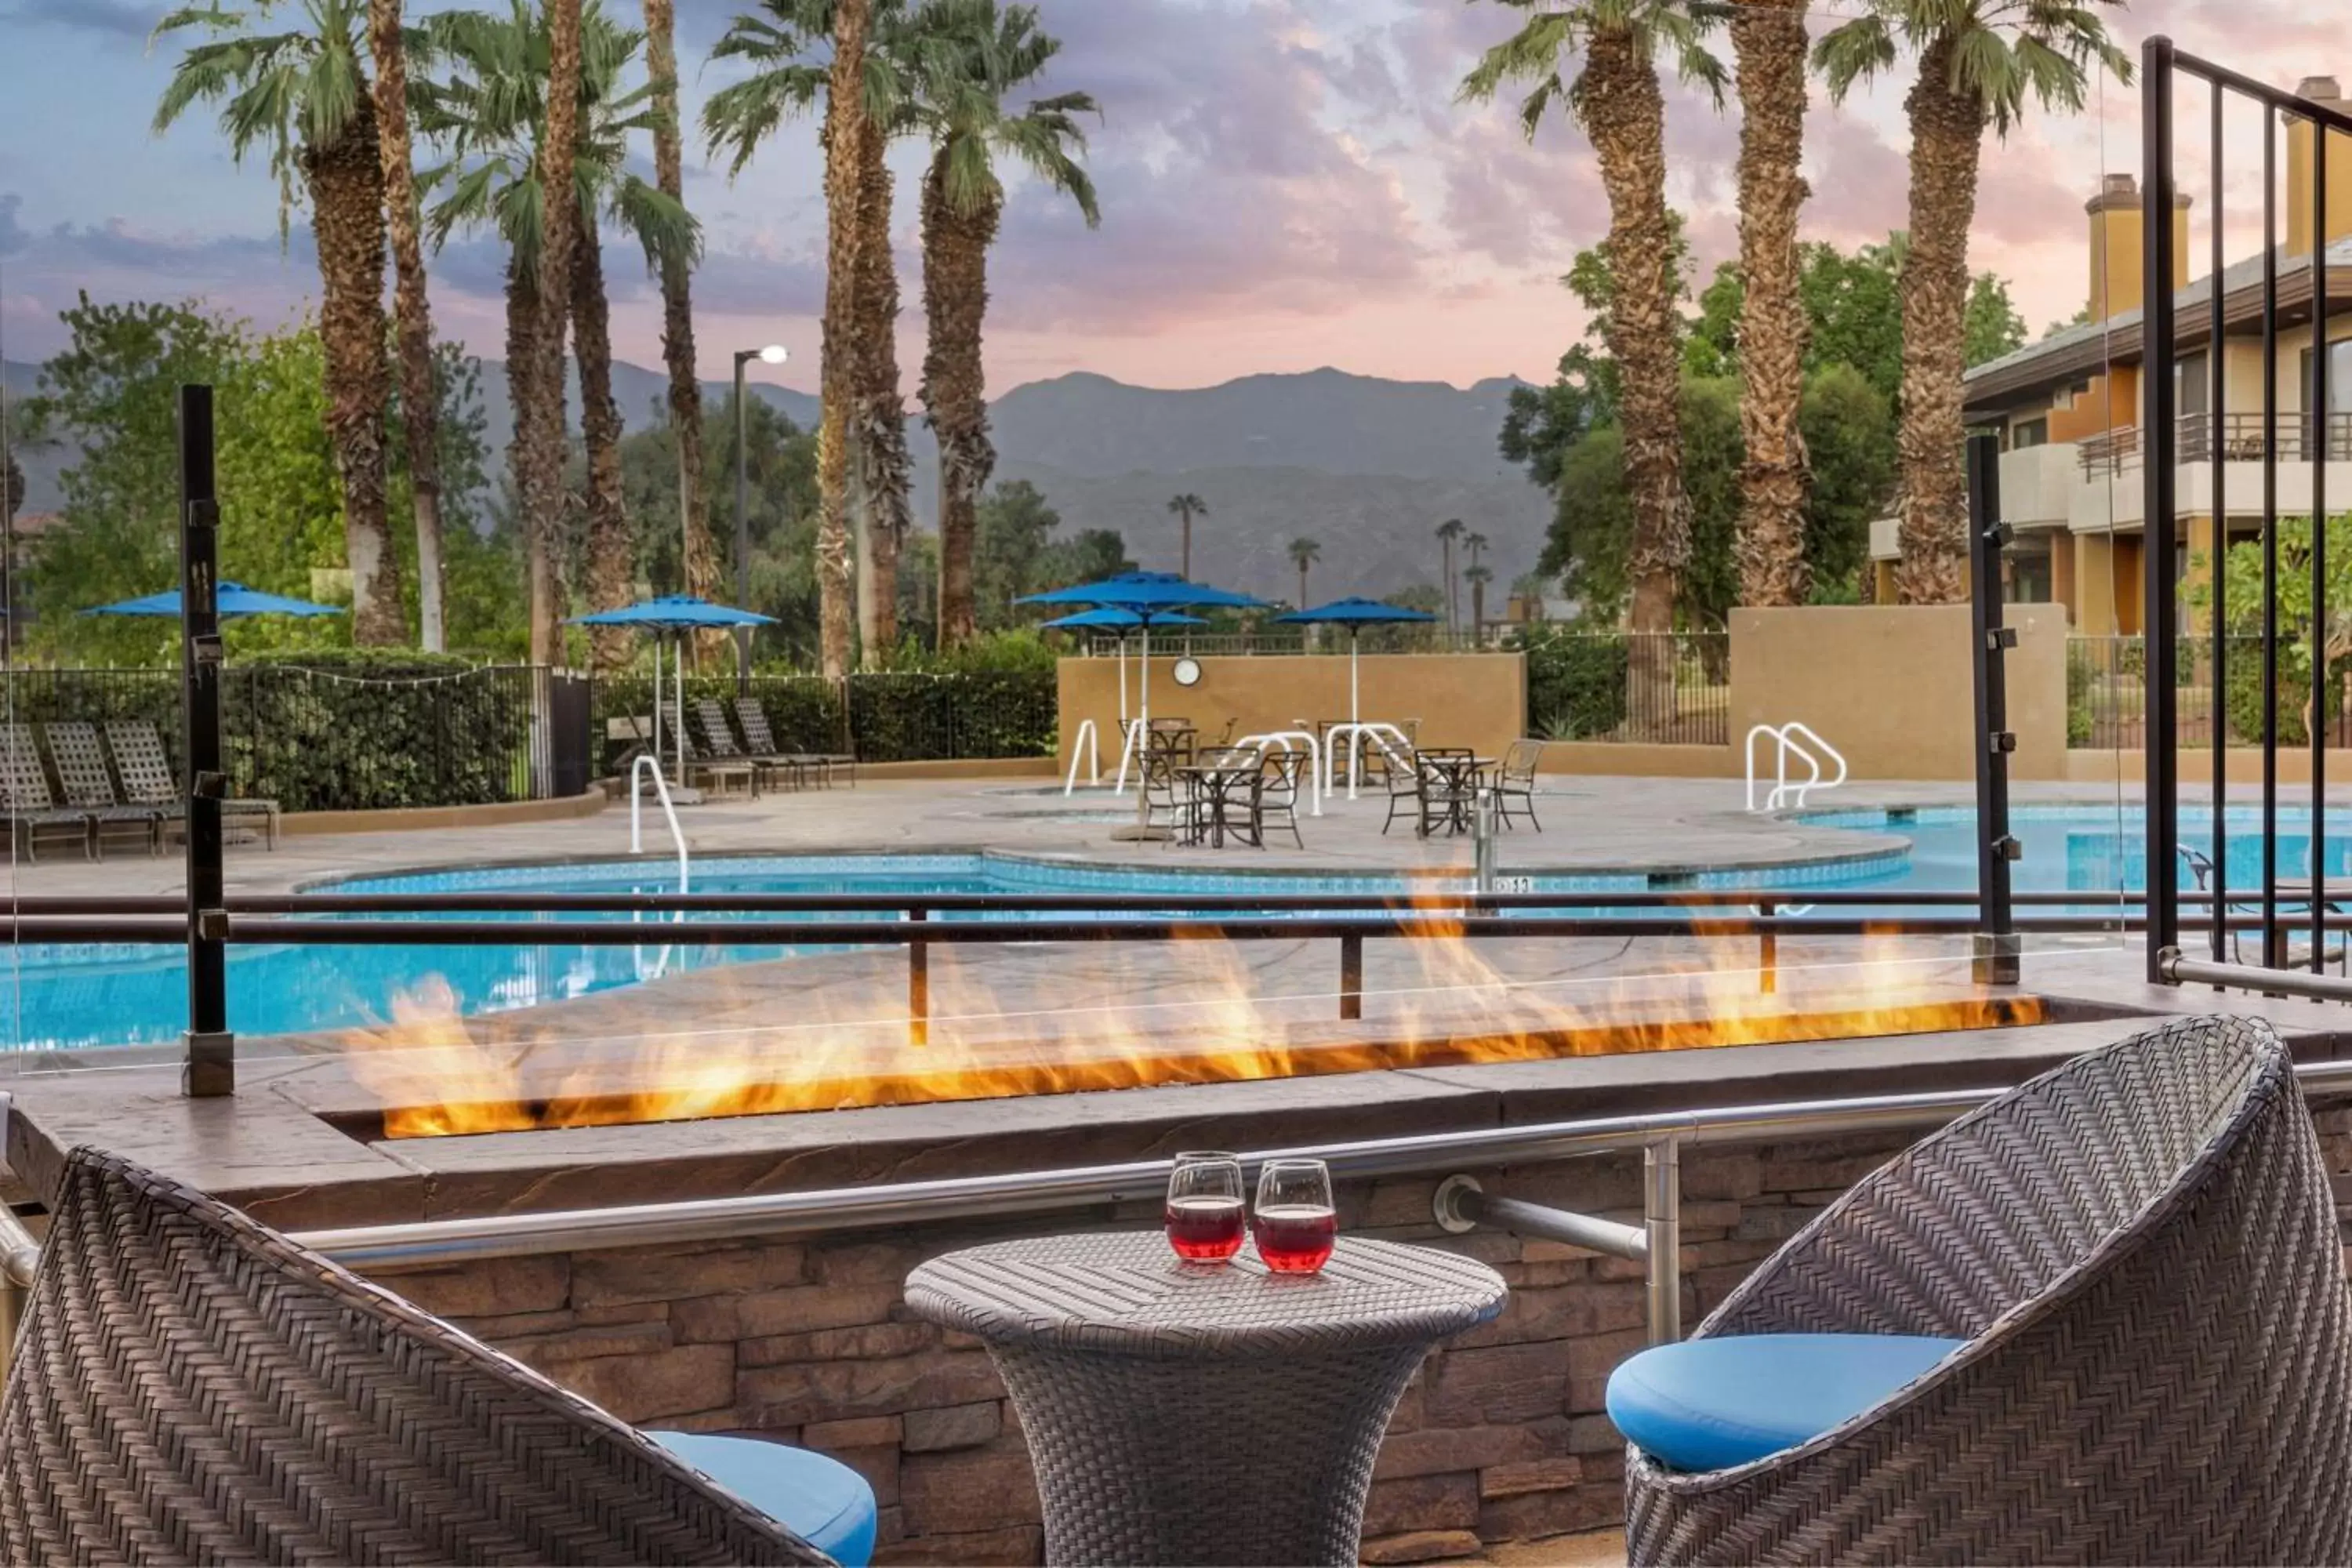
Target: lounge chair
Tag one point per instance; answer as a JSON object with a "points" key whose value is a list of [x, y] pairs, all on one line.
{"points": [[26, 808], [698, 764], [147, 780], [2129, 1282], [81, 769], [1515, 780], [769, 766], [762, 742], [190, 1386]]}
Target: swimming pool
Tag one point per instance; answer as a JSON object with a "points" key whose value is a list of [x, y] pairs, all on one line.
{"points": [[74, 997]]}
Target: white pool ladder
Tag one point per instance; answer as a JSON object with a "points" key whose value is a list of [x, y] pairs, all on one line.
{"points": [[646, 763], [1794, 739], [1085, 746]]}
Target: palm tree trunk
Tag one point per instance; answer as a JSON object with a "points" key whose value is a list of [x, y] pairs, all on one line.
{"points": [[1625, 116], [1302, 584], [700, 567], [420, 398], [523, 391], [955, 306], [879, 421], [1768, 37], [611, 566], [1946, 138], [539, 423], [844, 132], [345, 179], [1452, 620]]}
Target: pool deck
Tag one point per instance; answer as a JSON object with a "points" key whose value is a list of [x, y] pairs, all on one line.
{"points": [[1595, 825]]}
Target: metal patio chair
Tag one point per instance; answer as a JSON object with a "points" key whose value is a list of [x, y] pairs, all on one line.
{"points": [[2298, 946], [75, 748], [2140, 1249], [1400, 771], [762, 740], [697, 761], [147, 780], [190, 1386], [1274, 797], [1515, 780], [720, 738], [28, 809]]}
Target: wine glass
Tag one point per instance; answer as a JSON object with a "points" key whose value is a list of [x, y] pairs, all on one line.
{"points": [[1205, 1209], [1296, 1222]]}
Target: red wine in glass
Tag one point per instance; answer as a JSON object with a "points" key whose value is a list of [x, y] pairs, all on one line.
{"points": [[1206, 1229], [1295, 1239]]}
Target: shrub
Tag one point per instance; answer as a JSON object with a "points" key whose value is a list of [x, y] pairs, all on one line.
{"points": [[1575, 681]]}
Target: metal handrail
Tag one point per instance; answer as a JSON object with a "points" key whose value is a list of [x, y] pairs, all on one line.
{"points": [[1800, 738], [1083, 744], [643, 764]]}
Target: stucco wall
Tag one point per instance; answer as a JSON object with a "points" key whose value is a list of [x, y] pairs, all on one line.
{"points": [[1892, 687], [1477, 700]]}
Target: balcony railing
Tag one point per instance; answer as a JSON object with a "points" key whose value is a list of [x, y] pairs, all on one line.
{"points": [[2240, 438]]}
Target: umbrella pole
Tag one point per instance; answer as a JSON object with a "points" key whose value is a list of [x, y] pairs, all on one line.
{"points": [[677, 676], [658, 674], [1143, 831]]}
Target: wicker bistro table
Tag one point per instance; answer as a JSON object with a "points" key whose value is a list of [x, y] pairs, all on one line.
{"points": [[1183, 1413]]}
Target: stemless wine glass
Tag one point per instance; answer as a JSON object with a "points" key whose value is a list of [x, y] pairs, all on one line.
{"points": [[1296, 1222], [1205, 1211]]}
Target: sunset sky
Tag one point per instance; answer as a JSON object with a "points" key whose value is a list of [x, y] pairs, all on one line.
{"points": [[1285, 184]]}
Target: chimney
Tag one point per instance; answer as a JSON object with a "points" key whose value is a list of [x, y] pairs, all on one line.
{"points": [[2319, 89], [2115, 244]]}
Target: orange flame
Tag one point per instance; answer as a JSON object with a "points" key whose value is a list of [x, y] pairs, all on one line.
{"points": [[1058, 1019]]}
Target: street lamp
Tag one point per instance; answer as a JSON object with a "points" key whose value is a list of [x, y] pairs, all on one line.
{"points": [[774, 353]]}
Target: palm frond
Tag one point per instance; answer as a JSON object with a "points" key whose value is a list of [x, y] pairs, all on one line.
{"points": [[1855, 51]]}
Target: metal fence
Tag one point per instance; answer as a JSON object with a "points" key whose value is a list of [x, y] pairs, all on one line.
{"points": [[1325, 640], [1649, 688], [2107, 696]]}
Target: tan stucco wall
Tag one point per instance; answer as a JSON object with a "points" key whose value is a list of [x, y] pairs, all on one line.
{"points": [[1477, 700], [1893, 688], [1632, 760]]}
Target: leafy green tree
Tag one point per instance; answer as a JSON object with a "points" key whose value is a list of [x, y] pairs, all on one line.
{"points": [[1989, 323], [1849, 430], [1426, 597], [2242, 581], [1017, 551]]}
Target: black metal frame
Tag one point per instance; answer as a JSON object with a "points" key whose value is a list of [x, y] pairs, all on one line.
{"points": [[1997, 959], [211, 1069], [2162, 67]]}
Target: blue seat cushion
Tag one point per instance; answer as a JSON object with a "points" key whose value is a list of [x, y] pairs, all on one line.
{"points": [[1707, 1404], [820, 1500]]}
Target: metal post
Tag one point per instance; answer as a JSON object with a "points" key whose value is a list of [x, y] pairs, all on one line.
{"points": [[2273, 944], [1662, 1217], [1996, 960], [1351, 977], [2319, 423], [2158, 609], [211, 1067], [919, 986], [743, 527], [1767, 950], [2217, 453]]}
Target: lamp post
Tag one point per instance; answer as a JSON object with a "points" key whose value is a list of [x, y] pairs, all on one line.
{"points": [[774, 353]]}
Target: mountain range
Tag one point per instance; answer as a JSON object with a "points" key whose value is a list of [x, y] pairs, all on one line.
{"points": [[1366, 466]]}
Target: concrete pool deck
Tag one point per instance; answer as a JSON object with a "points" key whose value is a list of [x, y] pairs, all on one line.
{"points": [[1590, 825]]}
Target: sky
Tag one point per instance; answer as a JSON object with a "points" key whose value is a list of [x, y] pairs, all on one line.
{"points": [[1285, 184]]}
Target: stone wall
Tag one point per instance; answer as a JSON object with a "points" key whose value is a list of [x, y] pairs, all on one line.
{"points": [[1501, 1437]]}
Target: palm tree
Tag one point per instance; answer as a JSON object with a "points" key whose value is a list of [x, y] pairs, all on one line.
{"points": [[420, 399], [980, 54], [1452, 529], [1614, 96], [1478, 576], [1304, 552], [790, 44], [1768, 39], [1980, 63], [302, 95], [1187, 506], [701, 562], [492, 115]]}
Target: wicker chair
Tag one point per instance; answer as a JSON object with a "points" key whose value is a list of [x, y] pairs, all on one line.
{"points": [[2142, 1249], [190, 1386]]}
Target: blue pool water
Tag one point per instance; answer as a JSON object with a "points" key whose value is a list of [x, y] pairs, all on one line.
{"points": [[74, 997]]}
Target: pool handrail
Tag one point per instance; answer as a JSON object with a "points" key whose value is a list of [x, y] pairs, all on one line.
{"points": [[1799, 738], [1085, 741], [1317, 784], [643, 764]]}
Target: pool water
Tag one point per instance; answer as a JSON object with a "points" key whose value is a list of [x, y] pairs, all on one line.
{"points": [[72, 998]]}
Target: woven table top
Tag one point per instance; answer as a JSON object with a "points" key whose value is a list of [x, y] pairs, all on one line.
{"points": [[1128, 1294]]}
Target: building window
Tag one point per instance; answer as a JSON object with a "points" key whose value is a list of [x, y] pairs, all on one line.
{"points": [[2025, 571], [2339, 377], [2026, 433], [2193, 385]]}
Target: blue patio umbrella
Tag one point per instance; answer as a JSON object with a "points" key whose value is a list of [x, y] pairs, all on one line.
{"points": [[1354, 614], [234, 601], [669, 615]]}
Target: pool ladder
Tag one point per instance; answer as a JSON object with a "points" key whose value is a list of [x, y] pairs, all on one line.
{"points": [[649, 764], [1794, 739]]}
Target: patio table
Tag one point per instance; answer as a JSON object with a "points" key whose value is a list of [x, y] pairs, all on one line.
{"points": [[1209, 788], [1186, 1413], [1465, 774]]}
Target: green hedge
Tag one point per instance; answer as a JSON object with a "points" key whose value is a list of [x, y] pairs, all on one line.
{"points": [[1576, 682], [891, 717], [326, 730]]}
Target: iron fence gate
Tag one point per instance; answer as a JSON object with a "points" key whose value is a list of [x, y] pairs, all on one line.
{"points": [[2276, 299]]}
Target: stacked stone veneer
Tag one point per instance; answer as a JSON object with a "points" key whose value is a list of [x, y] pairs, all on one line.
{"points": [[1501, 1437]]}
